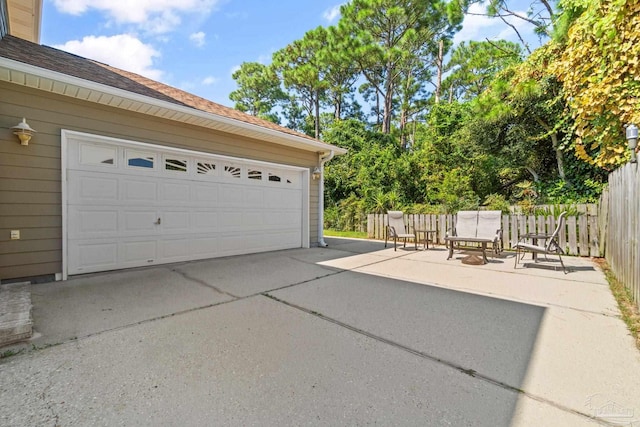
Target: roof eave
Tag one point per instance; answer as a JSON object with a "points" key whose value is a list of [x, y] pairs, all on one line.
{"points": [[51, 81]]}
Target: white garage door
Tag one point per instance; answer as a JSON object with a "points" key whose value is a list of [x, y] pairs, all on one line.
{"points": [[129, 204]]}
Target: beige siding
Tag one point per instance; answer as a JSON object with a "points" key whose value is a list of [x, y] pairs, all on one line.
{"points": [[30, 189]]}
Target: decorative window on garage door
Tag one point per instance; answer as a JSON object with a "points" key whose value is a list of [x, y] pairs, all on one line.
{"points": [[274, 177], [254, 174], [175, 165], [206, 168], [232, 171], [97, 155], [139, 159]]}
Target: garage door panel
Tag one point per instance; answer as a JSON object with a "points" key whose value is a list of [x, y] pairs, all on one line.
{"points": [[174, 250], [230, 244], [137, 191], [254, 197], [287, 219], [122, 214], [208, 246], [175, 221], [254, 219], [205, 220], [101, 189], [282, 199], [231, 195], [87, 257], [205, 194], [175, 192], [282, 240], [139, 221], [90, 189], [94, 222], [230, 220], [139, 252]]}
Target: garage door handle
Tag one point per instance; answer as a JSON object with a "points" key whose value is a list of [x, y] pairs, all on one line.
{"points": [[158, 221]]}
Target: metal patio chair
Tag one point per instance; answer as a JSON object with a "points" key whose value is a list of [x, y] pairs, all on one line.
{"points": [[396, 229], [552, 247]]}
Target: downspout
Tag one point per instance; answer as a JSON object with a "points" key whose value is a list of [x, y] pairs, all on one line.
{"points": [[322, 158]]}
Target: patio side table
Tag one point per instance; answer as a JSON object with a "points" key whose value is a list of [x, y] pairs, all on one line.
{"points": [[427, 234]]}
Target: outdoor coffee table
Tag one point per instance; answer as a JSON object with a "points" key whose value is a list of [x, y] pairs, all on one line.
{"points": [[425, 240], [483, 245]]}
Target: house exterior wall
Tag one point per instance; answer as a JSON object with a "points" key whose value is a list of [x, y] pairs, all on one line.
{"points": [[30, 182]]}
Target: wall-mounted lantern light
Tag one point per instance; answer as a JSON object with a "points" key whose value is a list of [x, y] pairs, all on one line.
{"points": [[316, 173], [23, 131], [632, 140]]}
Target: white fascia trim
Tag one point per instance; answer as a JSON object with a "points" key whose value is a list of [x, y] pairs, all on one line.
{"points": [[65, 79]]}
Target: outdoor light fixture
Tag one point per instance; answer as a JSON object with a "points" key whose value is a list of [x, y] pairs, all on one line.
{"points": [[316, 173], [24, 132], [632, 140]]}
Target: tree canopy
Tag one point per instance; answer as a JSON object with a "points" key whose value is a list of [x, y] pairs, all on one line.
{"points": [[433, 126]]}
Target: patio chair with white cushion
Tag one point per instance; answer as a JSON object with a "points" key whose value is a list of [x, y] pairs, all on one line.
{"points": [[396, 229], [490, 227], [551, 247]]}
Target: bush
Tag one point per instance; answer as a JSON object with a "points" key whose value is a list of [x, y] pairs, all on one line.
{"points": [[497, 202]]}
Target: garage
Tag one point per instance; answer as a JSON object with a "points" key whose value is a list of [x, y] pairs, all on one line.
{"points": [[130, 204]]}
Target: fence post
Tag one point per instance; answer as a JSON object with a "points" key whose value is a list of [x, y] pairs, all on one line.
{"points": [[571, 226], [594, 250]]}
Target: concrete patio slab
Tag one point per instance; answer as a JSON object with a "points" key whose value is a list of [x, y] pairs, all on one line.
{"points": [[250, 362], [253, 274], [91, 304], [582, 360], [349, 334], [501, 280], [494, 337]]}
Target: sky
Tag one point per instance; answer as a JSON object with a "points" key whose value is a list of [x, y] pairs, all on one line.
{"points": [[196, 45]]}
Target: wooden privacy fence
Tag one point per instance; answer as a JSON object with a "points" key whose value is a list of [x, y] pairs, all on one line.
{"points": [[580, 236], [620, 206]]}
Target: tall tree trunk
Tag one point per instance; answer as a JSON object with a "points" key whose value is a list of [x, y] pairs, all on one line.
{"points": [[556, 148], [559, 158], [386, 116], [439, 65], [317, 114], [388, 100], [403, 122]]}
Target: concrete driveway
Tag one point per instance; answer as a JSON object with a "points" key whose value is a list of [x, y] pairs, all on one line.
{"points": [[351, 334]]}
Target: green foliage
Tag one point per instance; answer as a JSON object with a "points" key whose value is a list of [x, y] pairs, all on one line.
{"points": [[505, 130], [258, 91], [393, 42], [455, 193], [473, 66], [497, 202], [555, 210], [599, 67]]}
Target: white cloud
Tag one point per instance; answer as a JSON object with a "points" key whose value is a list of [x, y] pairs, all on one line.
{"points": [[210, 80], [198, 38], [121, 51], [155, 16], [331, 14]]}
